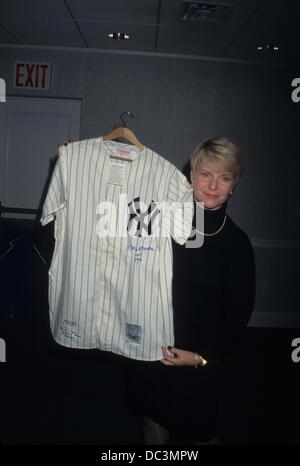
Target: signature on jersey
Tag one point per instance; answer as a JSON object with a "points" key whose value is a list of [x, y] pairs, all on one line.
{"points": [[139, 251], [68, 329]]}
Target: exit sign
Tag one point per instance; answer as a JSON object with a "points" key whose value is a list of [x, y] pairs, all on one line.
{"points": [[32, 75]]}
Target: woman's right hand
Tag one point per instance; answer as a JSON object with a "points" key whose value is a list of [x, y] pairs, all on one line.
{"points": [[178, 357]]}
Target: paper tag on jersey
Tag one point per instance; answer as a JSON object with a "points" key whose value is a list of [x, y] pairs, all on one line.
{"points": [[134, 333], [117, 173]]}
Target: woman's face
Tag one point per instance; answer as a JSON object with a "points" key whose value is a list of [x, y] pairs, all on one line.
{"points": [[212, 185]]}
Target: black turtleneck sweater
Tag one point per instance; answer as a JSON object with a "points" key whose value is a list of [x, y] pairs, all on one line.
{"points": [[213, 288], [213, 296]]}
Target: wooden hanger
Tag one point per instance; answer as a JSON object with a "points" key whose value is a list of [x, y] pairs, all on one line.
{"points": [[123, 132]]}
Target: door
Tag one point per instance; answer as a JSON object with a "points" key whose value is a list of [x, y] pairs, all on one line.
{"points": [[30, 131]]}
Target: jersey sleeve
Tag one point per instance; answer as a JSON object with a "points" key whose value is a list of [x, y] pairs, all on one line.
{"points": [[180, 206], [56, 194]]}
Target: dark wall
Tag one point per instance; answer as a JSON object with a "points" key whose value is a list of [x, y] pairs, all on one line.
{"points": [[179, 101]]}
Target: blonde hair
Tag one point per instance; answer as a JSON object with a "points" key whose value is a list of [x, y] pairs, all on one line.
{"points": [[218, 150]]}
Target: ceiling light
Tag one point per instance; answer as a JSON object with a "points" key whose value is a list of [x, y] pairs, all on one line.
{"points": [[118, 36], [267, 48]]}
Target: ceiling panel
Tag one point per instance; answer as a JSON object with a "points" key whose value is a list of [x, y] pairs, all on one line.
{"points": [[194, 40], [96, 35], [273, 14], [34, 8], [251, 23], [44, 32], [123, 11], [276, 23], [246, 47], [5, 38]]}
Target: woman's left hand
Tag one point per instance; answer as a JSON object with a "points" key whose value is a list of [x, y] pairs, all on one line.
{"points": [[178, 357]]}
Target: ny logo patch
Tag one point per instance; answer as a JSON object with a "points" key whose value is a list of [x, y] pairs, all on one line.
{"points": [[143, 219]]}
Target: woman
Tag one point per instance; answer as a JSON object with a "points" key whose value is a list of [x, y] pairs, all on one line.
{"points": [[213, 297]]}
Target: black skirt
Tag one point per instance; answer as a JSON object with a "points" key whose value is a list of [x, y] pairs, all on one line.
{"points": [[182, 399]]}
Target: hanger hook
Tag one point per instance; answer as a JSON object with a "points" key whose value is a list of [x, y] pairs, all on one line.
{"points": [[126, 113]]}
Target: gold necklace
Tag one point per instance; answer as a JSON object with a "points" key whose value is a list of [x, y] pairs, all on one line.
{"points": [[216, 232]]}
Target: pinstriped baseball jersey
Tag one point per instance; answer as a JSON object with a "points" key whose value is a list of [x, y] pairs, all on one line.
{"points": [[113, 291]]}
